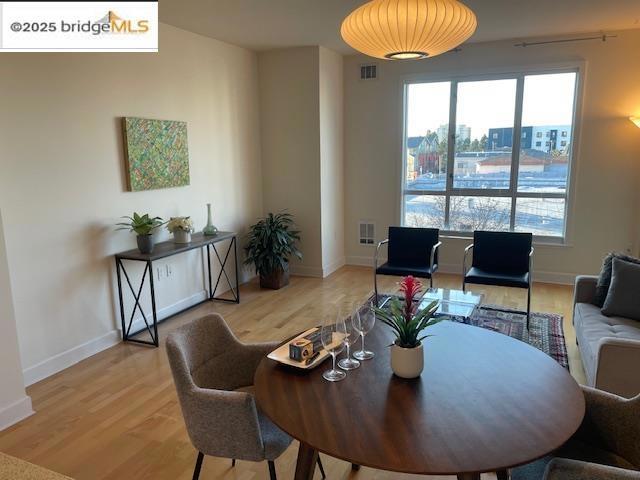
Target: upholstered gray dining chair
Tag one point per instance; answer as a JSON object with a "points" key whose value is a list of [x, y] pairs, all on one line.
{"points": [[606, 446], [213, 373]]}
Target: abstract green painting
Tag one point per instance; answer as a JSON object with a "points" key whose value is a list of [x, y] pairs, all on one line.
{"points": [[156, 152]]}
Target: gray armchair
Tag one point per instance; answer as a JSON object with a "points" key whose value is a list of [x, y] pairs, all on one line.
{"points": [[209, 366], [606, 446], [564, 469]]}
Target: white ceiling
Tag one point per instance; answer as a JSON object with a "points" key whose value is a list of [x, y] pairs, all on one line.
{"points": [[267, 24]]}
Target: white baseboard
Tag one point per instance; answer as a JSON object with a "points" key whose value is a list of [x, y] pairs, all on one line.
{"points": [[561, 278], [332, 267], [16, 411], [364, 261], [317, 272], [53, 365], [304, 271], [70, 357]]}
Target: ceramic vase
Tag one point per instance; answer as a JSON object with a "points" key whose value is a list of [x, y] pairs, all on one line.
{"points": [[180, 236], [407, 362], [210, 228], [145, 243]]}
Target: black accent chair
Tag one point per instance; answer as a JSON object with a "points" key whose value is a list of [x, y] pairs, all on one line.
{"points": [[500, 258], [411, 251]]}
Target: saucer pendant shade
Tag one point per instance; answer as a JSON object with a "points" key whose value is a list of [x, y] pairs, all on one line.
{"points": [[408, 29]]}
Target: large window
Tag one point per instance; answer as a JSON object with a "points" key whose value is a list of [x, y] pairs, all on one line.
{"points": [[474, 159]]}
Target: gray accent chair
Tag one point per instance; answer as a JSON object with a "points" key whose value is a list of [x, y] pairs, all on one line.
{"points": [[564, 469], [609, 346], [606, 446], [213, 373]]}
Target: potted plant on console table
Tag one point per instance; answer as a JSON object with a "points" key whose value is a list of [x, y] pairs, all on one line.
{"points": [[407, 354], [144, 226], [182, 228], [272, 242]]}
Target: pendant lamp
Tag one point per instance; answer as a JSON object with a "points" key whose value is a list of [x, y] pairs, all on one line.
{"points": [[408, 29]]}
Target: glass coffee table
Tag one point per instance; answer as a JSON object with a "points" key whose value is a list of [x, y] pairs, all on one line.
{"points": [[453, 304]]}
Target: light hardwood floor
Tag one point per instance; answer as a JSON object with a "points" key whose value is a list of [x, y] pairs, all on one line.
{"points": [[116, 414]]}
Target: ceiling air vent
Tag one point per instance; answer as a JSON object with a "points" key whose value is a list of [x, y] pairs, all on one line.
{"points": [[369, 71], [366, 233]]}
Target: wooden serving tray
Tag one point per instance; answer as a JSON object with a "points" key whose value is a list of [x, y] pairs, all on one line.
{"points": [[281, 354]]}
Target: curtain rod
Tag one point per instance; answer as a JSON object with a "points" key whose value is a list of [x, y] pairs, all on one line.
{"points": [[603, 38]]}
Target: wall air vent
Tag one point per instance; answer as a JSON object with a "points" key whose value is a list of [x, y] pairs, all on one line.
{"points": [[369, 71], [366, 233]]}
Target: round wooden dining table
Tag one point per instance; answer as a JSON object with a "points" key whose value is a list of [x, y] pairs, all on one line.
{"points": [[485, 403]]}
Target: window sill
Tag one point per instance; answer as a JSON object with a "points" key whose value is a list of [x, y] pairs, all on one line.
{"points": [[537, 241]]}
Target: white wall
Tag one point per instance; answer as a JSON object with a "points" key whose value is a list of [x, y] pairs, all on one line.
{"points": [[301, 120], [62, 186], [605, 213], [332, 160], [14, 403], [290, 125]]}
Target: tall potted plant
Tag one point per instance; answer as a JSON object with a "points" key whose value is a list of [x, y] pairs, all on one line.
{"points": [[143, 226], [407, 353], [271, 243]]}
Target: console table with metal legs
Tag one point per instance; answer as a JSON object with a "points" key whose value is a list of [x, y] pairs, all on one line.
{"points": [[168, 249]]}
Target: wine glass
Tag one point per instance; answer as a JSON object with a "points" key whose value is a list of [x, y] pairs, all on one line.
{"points": [[332, 335], [364, 322], [350, 338]]}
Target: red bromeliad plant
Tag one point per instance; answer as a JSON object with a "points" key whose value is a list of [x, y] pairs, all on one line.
{"points": [[410, 287], [406, 322]]}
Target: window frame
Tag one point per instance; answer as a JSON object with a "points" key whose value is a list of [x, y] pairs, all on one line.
{"points": [[519, 74]]}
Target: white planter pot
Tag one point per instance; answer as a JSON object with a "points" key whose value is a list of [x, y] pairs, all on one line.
{"points": [[180, 236], [407, 362]]}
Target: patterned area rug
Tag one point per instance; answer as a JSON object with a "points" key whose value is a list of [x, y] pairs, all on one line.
{"points": [[545, 329], [545, 332]]}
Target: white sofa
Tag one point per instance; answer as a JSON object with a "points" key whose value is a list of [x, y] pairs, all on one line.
{"points": [[609, 346]]}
